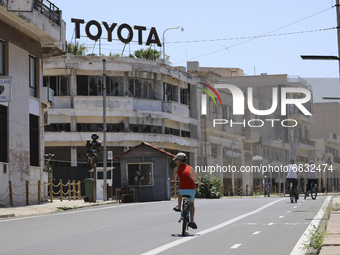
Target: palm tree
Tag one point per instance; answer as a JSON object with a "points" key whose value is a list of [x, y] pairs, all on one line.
{"points": [[146, 54], [78, 49]]}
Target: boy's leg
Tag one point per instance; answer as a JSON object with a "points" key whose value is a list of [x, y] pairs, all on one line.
{"points": [[192, 211], [179, 201]]}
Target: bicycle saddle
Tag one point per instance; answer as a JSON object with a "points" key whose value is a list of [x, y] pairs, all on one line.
{"points": [[186, 196]]}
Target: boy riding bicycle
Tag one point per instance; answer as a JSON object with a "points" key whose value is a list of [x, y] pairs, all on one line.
{"points": [[186, 185]]}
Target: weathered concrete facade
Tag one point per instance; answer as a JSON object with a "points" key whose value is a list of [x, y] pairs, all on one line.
{"points": [[275, 144], [146, 101], [325, 131], [26, 38]]}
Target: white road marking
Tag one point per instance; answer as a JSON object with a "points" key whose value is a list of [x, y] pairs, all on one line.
{"points": [[226, 223], [281, 217], [310, 229], [257, 232], [235, 246], [295, 207], [272, 223], [288, 211]]}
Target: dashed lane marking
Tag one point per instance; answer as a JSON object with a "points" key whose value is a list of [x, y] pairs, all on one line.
{"points": [[235, 246], [209, 230]]}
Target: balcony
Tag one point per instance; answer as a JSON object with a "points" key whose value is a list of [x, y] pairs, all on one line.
{"points": [[175, 108], [44, 25], [303, 141], [252, 135], [49, 10], [116, 138]]}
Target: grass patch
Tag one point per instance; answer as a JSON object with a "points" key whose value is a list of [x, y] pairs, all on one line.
{"points": [[315, 238]]}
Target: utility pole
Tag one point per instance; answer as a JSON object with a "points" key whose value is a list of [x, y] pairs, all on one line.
{"points": [[337, 7], [104, 134]]}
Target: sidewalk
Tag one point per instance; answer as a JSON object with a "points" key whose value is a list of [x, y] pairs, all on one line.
{"points": [[331, 243], [47, 207]]}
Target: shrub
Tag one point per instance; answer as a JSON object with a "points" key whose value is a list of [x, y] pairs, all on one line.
{"points": [[211, 187]]}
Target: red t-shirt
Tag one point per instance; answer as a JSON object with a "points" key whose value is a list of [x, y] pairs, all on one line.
{"points": [[185, 177]]}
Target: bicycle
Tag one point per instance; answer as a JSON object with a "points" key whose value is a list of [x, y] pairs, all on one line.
{"points": [[313, 190], [292, 194], [185, 214], [267, 191]]}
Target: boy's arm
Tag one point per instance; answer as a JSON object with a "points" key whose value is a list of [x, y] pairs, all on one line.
{"points": [[174, 176], [195, 175]]}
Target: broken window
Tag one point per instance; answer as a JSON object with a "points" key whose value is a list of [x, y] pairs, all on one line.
{"points": [[139, 174], [170, 92], [185, 96]]}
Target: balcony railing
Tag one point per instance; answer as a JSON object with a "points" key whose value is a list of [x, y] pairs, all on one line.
{"points": [[48, 9], [303, 140]]}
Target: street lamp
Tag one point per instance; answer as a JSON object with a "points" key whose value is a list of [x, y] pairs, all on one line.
{"points": [[314, 57], [182, 29], [318, 57]]}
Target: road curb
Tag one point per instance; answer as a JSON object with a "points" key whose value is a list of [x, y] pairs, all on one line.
{"points": [[7, 215]]}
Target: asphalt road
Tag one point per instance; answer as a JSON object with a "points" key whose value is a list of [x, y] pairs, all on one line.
{"points": [[225, 226]]}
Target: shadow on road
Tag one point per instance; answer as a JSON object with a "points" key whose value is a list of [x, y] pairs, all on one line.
{"points": [[187, 235]]}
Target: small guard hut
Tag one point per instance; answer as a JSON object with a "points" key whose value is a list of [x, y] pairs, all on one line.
{"points": [[145, 170]]}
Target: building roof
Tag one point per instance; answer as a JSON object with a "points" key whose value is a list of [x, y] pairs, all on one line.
{"points": [[144, 144]]}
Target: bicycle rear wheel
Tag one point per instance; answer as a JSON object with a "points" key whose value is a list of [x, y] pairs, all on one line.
{"points": [[314, 192], [185, 221], [291, 194]]}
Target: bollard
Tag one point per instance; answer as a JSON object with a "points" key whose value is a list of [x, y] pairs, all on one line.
{"points": [[74, 189], [69, 190], [27, 193], [61, 189], [51, 191], [79, 193], [39, 192], [247, 190], [228, 189], [10, 192]]}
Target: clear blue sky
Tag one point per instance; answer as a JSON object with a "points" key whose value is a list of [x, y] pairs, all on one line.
{"points": [[223, 19]]}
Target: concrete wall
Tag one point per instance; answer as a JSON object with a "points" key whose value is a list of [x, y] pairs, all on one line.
{"points": [[326, 119]]}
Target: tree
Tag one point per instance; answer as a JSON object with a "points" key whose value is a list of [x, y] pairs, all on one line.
{"points": [[211, 187], [148, 53], [78, 49], [114, 55]]}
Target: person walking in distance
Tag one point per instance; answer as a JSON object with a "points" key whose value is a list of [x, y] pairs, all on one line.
{"points": [[187, 186]]}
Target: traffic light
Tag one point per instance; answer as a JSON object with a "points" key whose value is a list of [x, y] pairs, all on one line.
{"points": [[93, 146], [88, 146]]}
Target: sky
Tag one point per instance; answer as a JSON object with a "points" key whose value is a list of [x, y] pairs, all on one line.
{"points": [[222, 33]]}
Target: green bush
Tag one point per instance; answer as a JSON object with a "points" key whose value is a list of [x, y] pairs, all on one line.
{"points": [[211, 187]]}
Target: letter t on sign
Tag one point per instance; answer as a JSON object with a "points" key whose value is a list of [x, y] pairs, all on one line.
{"points": [[77, 26]]}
